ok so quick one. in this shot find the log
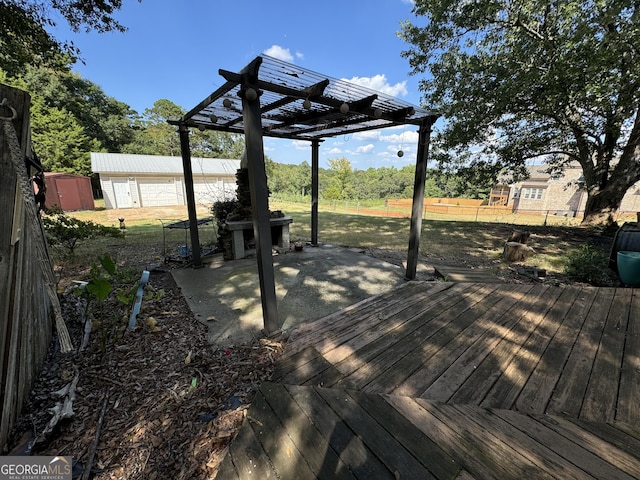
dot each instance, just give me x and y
(517, 252)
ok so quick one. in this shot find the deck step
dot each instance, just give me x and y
(464, 274)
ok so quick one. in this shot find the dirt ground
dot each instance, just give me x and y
(161, 403)
(172, 402)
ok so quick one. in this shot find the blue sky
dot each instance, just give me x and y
(174, 48)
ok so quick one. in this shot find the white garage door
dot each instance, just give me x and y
(207, 192)
(157, 192)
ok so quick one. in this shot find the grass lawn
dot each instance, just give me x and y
(452, 239)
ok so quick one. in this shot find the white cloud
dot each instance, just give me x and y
(408, 138)
(299, 55)
(281, 53)
(334, 151)
(365, 148)
(379, 82)
(300, 145)
(367, 135)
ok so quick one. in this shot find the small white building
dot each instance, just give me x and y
(131, 181)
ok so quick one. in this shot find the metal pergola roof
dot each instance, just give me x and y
(272, 98)
(299, 104)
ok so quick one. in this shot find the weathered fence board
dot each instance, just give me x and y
(25, 308)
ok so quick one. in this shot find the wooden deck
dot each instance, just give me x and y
(456, 381)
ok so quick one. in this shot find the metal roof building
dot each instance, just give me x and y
(130, 181)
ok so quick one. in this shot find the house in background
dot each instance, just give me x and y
(543, 193)
(68, 191)
(131, 181)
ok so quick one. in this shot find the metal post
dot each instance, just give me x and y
(185, 149)
(315, 148)
(422, 156)
(259, 196)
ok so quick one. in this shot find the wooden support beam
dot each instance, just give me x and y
(259, 196)
(315, 156)
(185, 149)
(422, 157)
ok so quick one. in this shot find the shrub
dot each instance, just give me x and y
(589, 264)
(63, 231)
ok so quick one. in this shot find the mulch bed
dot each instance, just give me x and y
(173, 402)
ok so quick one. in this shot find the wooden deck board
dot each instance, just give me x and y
(341, 344)
(382, 355)
(461, 371)
(629, 401)
(542, 382)
(574, 376)
(509, 381)
(419, 381)
(605, 373)
(424, 343)
(569, 442)
(505, 376)
(452, 273)
(353, 451)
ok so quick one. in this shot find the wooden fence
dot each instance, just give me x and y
(26, 313)
(452, 206)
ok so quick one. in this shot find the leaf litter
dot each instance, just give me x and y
(174, 403)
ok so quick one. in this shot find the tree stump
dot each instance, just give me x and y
(517, 252)
(519, 236)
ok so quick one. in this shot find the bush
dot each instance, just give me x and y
(589, 264)
(64, 231)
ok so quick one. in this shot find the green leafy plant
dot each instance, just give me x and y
(64, 231)
(588, 264)
(110, 292)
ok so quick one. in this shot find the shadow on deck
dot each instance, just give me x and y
(454, 381)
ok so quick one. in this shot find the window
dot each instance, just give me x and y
(532, 193)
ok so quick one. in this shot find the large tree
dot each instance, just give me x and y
(26, 41)
(71, 117)
(554, 79)
(154, 136)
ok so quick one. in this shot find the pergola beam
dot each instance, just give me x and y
(422, 157)
(259, 197)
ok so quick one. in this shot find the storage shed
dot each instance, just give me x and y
(68, 191)
(131, 181)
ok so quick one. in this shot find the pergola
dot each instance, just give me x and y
(273, 98)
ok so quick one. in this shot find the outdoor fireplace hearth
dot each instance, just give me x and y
(242, 234)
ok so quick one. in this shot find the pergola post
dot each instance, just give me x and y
(417, 206)
(185, 150)
(259, 195)
(315, 156)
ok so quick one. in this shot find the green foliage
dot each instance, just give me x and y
(289, 179)
(154, 136)
(109, 292)
(71, 117)
(527, 79)
(340, 181)
(25, 26)
(60, 140)
(588, 264)
(65, 232)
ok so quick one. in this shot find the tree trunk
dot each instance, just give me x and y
(602, 205)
